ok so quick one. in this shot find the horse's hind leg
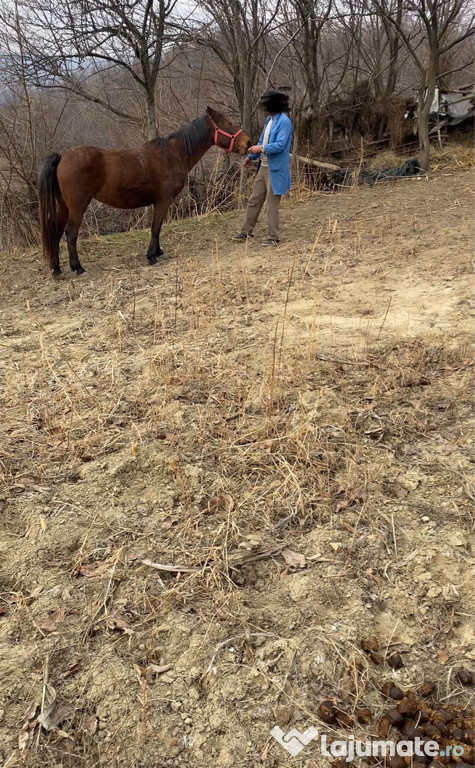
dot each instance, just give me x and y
(159, 212)
(62, 218)
(72, 230)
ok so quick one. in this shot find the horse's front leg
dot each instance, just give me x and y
(159, 212)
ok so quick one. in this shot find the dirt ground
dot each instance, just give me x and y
(287, 433)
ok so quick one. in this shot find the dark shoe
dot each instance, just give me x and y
(270, 241)
(241, 237)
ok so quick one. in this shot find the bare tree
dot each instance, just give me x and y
(428, 29)
(235, 31)
(67, 42)
(311, 17)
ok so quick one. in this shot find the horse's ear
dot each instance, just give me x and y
(212, 113)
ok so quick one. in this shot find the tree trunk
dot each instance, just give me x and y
(152, 132)
(423, 130)
(391, 82)
(247, 120)
(426, 97)
(314, 120)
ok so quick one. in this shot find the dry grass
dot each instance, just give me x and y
(167, 435)
(453, 157)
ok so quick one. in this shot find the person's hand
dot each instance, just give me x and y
(255, 150)
(247, 162)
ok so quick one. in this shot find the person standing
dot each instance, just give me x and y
(273, 175)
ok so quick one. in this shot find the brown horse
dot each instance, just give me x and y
(152, 174)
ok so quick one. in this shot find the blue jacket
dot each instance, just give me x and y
(278, 152)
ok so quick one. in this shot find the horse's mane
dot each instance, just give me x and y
(193, 136)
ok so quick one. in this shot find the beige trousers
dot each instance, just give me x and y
(262, 193)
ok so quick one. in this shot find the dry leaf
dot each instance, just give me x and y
(43, 524)
(442, 656)
(49, 705)
(342, 505)
(26, 733)
(135, 449)
(357, 497)
(95, 569)
(35, 592)
(213, 505)
(227, 501)
(54, 712)
(115, 622)
(159, 669)
(71, 669)
(251, 542)
(119, 421)
(24, 738)
(63, 734)
(173, 465)
(50, 624)
(89, 724)
(30, 713)
(25, 480)
(294, 559)
(89, 570)
(223, 502)
(335, 545)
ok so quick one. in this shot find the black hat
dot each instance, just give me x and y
(275, 101)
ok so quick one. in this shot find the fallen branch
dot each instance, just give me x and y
(171, 568)
(316, 163)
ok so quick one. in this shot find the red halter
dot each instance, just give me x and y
(218, 131)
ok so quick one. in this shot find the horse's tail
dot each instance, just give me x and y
(48, 192)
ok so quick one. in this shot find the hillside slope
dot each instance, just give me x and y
(286, 432)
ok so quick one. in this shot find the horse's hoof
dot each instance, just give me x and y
(56, 272)
(80, 270)
(152, 260)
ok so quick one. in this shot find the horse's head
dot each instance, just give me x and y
(225, 134)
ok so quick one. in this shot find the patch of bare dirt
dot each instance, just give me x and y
(221, 473)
